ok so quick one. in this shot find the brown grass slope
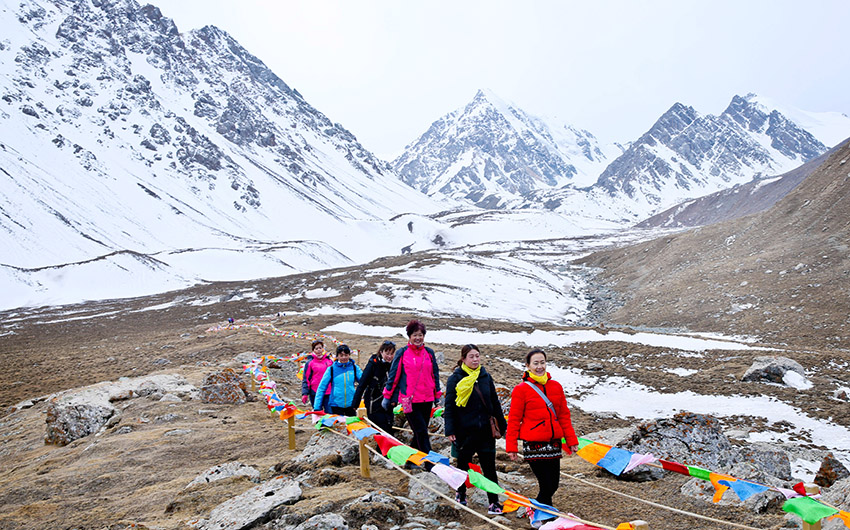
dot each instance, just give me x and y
(783, 274)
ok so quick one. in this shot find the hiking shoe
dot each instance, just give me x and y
(460, 498)
(494, 509)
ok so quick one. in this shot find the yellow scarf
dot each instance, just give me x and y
(464, 386)
(542, 379)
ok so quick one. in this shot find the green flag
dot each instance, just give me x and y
(400, 453)
(808, 509)
(483, 483)
(698, 472)
(583, 441)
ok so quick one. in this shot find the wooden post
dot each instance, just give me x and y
(812, 489)
(291, 422)
(639, 525)
(364, 451)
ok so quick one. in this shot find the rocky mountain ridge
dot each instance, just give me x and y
(198, 127)
(497, 156)
(134, 148)
(491, 152)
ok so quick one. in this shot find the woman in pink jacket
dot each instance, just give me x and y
(313, 372)
(414, 382)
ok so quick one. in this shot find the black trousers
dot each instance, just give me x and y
(382, 418)
(418, 419)
(481, 443)
(344, 411)
(548, 473)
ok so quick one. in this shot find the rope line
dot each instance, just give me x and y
(657, 505)
(421, 483)
(556, 514)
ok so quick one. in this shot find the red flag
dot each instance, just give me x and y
(385, 443)
(675, 467)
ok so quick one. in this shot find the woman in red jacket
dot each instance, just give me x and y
(539, 416)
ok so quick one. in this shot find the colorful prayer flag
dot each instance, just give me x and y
(400, 453)
(615, 460)
(810, 510)
(452, 476)
(743, 489)
(483, 483)
(385, 443)
(674, 467)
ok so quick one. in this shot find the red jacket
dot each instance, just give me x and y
(531, 420)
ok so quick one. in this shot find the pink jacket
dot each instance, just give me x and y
(313, 372)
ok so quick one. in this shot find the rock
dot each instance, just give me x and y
(225, 386)
(224, 471)
(838, 496)
(324, 521)
(171, 398)
(66, 423)
(418, 492)
(693, 439)
(323, 445)
(251, 507)
(770, 460)
(246, 357)
(772, 369)
(178, 432)
(759, 503)
(375, 509)
(831, 471)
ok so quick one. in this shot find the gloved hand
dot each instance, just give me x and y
(305, 398)
(385, 403)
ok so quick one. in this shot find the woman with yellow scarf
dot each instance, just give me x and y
(471, 401)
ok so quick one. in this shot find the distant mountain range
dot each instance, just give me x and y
(491, 153)
(137, 159)
(494, 155)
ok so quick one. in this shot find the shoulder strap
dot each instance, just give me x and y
(481, 395)
(543, 396)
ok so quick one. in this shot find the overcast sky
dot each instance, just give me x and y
(386, 69)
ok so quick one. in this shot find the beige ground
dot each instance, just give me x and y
(114, 480)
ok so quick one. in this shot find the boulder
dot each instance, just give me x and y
(375, 508)
(69, 422)
(688, 438)
(838, 496)
(324, 521)
(254, 506)
(325, 447)
(224, 471)
(831, 471)
(770, 460)
(775, 369)
(759, 503)
(225, 386)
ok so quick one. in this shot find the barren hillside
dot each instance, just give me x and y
(783, 274)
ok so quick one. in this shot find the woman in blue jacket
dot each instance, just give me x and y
(341, 376)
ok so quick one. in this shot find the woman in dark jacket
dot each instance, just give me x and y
(470, 402)
(371, 387)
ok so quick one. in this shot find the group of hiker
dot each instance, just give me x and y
(409, 376)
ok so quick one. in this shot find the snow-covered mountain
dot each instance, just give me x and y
(133, 152)
(685, 155)
(495, 155)
(490, 153)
